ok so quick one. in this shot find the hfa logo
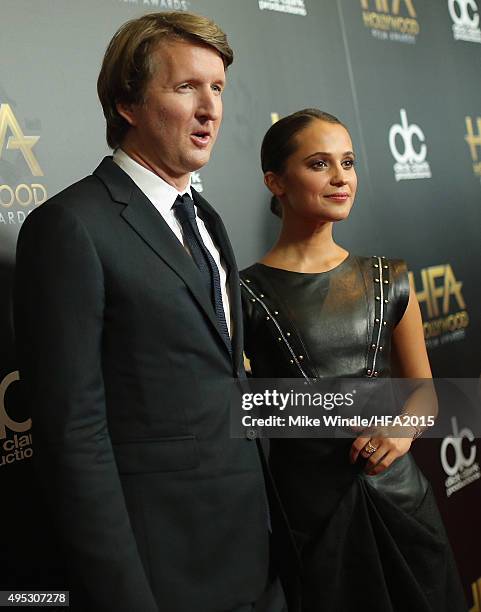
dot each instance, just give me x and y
(18, 447)
(440, 296)
(474, 141)
(17, 139)
(465, 17)
(387, 20)
(24, 195)
(408, 147)
(461, 468)
(383, 6)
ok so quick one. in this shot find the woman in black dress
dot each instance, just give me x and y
(364, 518)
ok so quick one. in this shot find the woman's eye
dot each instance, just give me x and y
(349, 163)
(319, 164)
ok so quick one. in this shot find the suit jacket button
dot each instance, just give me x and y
(251, 434)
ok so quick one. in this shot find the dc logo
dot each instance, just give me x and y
(5, 420)
(464, 13)
(407, 133)
(455, 442)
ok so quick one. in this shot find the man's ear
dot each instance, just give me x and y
(128, 112)
(274, 183)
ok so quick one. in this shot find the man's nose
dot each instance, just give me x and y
(209, 105)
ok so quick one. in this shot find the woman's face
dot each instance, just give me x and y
(319, 180)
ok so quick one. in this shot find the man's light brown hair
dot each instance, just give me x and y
(127, 66)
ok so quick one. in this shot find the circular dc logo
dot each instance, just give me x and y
(464, 13)
(406, 133)
(456, 442)
(5, 420)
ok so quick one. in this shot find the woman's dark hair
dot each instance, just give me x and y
(279, 142)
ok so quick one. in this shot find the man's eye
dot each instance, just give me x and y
(185, 86)
(217, 88)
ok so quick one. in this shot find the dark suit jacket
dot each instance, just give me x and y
(128, 382)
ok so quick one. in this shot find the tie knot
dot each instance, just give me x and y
(184, 206)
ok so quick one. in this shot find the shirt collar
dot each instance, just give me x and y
(158, 191)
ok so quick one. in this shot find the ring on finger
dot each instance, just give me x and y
(370, 448)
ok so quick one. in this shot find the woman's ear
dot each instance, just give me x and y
(274, 183)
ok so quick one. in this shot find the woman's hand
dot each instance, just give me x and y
(411, 360)
(380, 451)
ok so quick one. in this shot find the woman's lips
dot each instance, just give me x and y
(337, 197)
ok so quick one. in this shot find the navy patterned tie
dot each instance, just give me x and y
(185, 214)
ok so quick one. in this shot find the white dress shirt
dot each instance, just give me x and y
(163, 196)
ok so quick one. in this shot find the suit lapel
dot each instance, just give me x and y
(149, 224)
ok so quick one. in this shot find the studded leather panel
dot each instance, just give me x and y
(335, 323)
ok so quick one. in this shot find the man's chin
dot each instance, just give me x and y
(196, 162)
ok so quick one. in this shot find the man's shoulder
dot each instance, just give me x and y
(76, 193)
(91, 188)
(84, 199)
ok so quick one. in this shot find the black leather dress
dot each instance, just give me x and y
(366, 542)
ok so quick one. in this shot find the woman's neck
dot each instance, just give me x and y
(302, 247)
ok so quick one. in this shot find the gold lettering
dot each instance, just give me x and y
(39, 199)
(23, 194)
(452, 287)
(431, 292)
(25, 201)
(425, 294)
(476, 590)
(436, 327)
(18, 140)
(409, 6)
(477, 168)
(10, 192)
(473, 140)
(382, 6)
(436, 291)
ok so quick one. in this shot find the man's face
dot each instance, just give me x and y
(173, 131)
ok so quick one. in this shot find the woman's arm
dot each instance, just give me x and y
(409, 354)
(410, 360)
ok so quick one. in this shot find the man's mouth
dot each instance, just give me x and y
(201, 138)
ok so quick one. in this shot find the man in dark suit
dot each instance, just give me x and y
(129, 332)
